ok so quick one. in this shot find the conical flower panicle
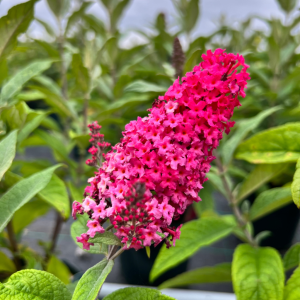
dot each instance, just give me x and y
(168, 153)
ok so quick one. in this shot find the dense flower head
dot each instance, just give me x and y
(166, 155)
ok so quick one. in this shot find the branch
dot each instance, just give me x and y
(242, 223)
(14, 245)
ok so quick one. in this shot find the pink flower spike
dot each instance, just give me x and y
(94, 227)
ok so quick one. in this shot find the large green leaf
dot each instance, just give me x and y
(21, 193)
(137, 293)
(91, 282)
(28, 213)
(292, 257)
(14, 85)
(116, 13)
(6, 264)
(59, 269)
(207, 203)
(287, 6)
(257, 273)
(270, 200)
(15, 22)
(59, 7)
(292, 288)
(259, 176)
(296, 185)
(193, 60)
(55, 193)
(76, 16)
(30, 126)
(107, 238)
(80, 73)
(34, 285)
(194, 235)
(79, 227)
(191, 16)
(7, 152)
(243, 128)
(217, 273)
(275, 145)
(140, 86)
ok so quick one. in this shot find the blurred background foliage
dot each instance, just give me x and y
(52, 88)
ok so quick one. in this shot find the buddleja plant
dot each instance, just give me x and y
(155, 172)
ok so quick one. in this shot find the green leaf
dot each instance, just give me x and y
(292, 257)
(21, 193)
(292, 288)
(55, 193)
(270, 200)
(47, 27)
(30, 126)
(217, 273)
(6, 264)
(137, 293)
(295, 185)
(92, 280)
(34, 285)
(148, 251)
(75, 17)
(59, 269)
(275, 145)
(194, 235)
(107, 238)
(192, 15)
(59, 7)
(79, 227)
(140, 86)
(116, 14)
(14, 85)
(193, 60)
(243, 128)
(7, 152)
(207, 203)
(15, 22)
(81, 74)
(257, 273)
(28, 213)
(76, 193)
(259, 176)
(287, 5)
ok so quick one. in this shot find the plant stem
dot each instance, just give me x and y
(14, 245)
(242, 223)
(117, 254)
(55, 234)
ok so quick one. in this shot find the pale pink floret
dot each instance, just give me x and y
(84, 238)
(94, 227)
(88, 204)
(99, 211)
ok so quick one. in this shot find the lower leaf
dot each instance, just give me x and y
(137, 294)
(34, 285)
(257, 273)
(92, 280)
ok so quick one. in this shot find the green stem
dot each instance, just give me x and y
(14, 245)
(242, 223)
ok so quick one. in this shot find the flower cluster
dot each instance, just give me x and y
(98, 144)
(169, 152)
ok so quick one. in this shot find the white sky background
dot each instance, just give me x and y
(141, 14)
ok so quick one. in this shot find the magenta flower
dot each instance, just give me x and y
(169, 152)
